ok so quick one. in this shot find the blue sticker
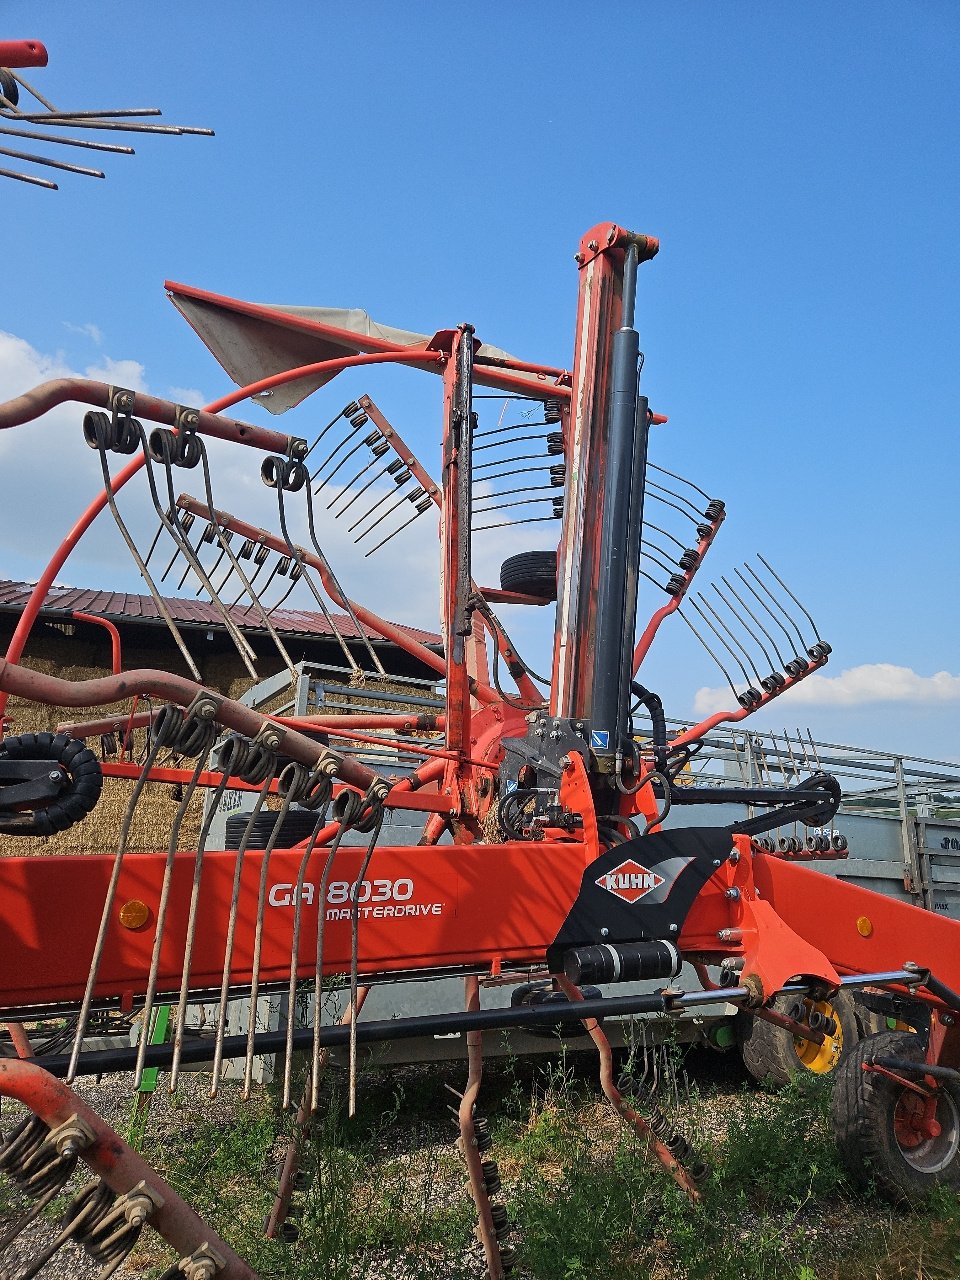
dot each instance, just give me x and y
(510, 785)
(600, 739)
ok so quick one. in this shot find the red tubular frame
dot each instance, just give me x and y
(22, 53)
(108, 626)
(119, 1166)
(37, 687)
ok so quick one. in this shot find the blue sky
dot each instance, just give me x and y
(433, 165)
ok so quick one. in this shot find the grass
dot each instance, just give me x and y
(387, 1193)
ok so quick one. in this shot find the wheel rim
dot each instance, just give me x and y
(820, 1058)
(927, 1152)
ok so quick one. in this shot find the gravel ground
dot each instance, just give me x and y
(418, 1148)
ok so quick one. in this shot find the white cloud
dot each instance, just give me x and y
(870, 683)
(90, 331)
(119, 373)
(189, 396)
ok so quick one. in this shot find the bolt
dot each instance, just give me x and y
(733, 894)
(947, 1019)
(604, 933)
(578, 259)
(716, 862)
(54, 775)
(674, 928)
(565, 762)
(734, 856)
(593, 246)
(554, 734)
(611, 235)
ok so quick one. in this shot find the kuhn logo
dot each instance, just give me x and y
(630, 881)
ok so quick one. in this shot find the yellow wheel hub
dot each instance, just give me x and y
(820, 1058)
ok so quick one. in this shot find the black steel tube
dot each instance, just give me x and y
(201, 1049)
(620, 534)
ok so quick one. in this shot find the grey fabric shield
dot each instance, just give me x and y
(253, 347)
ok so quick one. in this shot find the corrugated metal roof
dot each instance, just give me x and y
(119, 607)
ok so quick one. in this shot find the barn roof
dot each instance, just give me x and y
(120, 606)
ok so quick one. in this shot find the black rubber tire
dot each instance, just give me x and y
(773, 1056)
(531, 573)
(864, 1107)
(79, 796)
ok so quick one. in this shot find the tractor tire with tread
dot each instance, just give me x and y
(871, 1122)
(531, 573)
(772, 1055)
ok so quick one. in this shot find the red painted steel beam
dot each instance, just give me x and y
(22, 53)
(119, 1166)
(37, 687)
(110, 628)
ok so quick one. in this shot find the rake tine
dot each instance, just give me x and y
(709, 650)
(295, 576)
(730, 632)
(138, 560)
(760, 600)
(369, 440)
(805, 613)
(308, 579)
(148, 999)
(683, 480)
(344, 598)
(413, 495)
(377, 451)
(192, 920)
(294, 771)
(657, 529)
(268, 763)
(172, 524)
(85, 143)
(704, 601)
(749, 614)
(347, 411)
(786, 613)
(697, 513)
(424, 505)
(295, 956)
(354, 955)
(107, 914)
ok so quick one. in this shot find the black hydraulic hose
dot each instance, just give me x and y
(658, 721)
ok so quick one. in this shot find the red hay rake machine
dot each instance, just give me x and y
(557, 872)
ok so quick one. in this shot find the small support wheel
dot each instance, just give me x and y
(907, 1144)
(772, 1055)
(532, 573)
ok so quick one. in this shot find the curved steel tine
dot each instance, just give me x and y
(161, 917)
(720, 622)
(399, 474)
(805, 613)
(730, 632)
(657, 529)
(746, 608)
(107, 913)
(258, 933)
(237, 568)
(332, 423)
(667, 503)
(171, 522)
(295, 957)
(511, 524)
(307, 578)
(158, 599)
(683, 480)
(318, 971)
(270, 773)
(345, 599)
(801, 652)
(668, 569)
(760, 600)
(354, 958)
(192, 925)
(723, 669)
(370, 439)
(424, 505)
(661, 488)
